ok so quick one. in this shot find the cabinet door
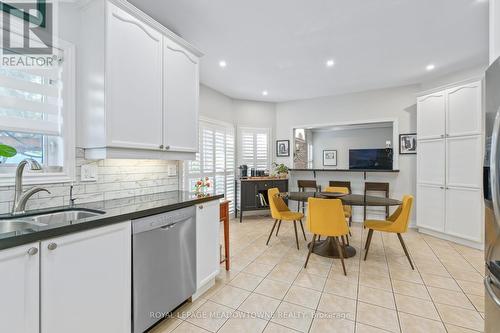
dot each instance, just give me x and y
(464, 157)
(207, 242)
(248, 195)
(181, 95)
(464, 116)
(431, 161)
(19, 278)
(431, 207)
(133, 82)
(431, 116)
(86, 281)
(464, 208)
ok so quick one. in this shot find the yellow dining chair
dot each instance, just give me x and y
(326, 217)
(343, 190)
(396, 223)
(281, 212)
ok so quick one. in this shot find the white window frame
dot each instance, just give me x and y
(186, 176)
(68, 129)
(239, 149)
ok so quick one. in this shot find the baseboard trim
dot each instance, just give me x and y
(458, 240)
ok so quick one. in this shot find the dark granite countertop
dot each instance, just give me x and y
(117, 210)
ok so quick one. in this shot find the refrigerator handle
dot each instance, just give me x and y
(494, 167)
(488, 281)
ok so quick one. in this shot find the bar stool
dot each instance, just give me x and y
(304, 185)
(338, 183)
(377, 187)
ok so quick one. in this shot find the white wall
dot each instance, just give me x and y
(215, 105)
(343, 140)
(394, 103)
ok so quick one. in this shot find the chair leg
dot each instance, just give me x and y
(296, 236)
(344, 242)
(368, 242)
(319, 238)
(310, 250)
(341, 254)
(278, 229)
(406, 251)
(272, 230)
(303, 232)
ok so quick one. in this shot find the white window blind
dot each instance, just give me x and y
(214, 160)
(254, 147)
(30, 100)
(37, 117)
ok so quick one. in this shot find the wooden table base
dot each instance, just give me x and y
(327, 248)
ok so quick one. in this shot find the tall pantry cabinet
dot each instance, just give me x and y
(449, 163)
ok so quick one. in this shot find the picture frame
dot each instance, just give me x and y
(329, 157)
(282, 148)
(408, 144)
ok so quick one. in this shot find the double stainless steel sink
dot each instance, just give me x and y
(29, 221)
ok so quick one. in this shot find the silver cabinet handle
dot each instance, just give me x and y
(167, 147)
(52, 246)
(441, 187)
(200, 207)
(161, 146)
(442, 135)
(32, 251)
(487, 284)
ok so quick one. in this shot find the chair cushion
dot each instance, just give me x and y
(379, 225)
(291, 216)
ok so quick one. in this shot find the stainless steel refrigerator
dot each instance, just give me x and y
(491, 185)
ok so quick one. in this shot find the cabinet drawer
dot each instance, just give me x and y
(282, 185)
(264, 185)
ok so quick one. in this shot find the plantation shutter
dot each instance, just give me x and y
(254, 148)
(214, 160)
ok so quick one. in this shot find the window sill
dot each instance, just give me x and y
(36, 179)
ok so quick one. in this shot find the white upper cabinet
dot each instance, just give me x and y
(464, 112)
(138, 86)
(85, 281)
(133, 82)
(431, 117)
(181, 95)
(19, 278)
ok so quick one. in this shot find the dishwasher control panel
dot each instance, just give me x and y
(162, 220)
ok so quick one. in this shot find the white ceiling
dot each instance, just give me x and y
(282, 45)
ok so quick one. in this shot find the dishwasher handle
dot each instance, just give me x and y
(170, 226)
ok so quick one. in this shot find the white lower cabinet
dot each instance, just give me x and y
(207, 244)
(86, 281)
(463, 217)
(19, 276)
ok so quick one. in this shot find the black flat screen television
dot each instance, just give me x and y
(376, 159)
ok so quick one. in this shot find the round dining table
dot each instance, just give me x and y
(327, 247)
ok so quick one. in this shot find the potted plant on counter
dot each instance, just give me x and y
(6, 152)
(281, 170)
(201, 187)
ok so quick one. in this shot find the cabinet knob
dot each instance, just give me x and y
(200, 207)
(32, 251)
(442, 135)
(52, 246)
(167, 147)
(161, 146)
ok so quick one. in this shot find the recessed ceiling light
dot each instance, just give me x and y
(330, 63)
(264, 93)
(430, 67)
(222, 63)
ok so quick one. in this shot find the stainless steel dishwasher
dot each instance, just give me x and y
(164, 264)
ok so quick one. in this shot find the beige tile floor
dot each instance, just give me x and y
(268, 290)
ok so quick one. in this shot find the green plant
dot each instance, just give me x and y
(280, 168)
(7, 151)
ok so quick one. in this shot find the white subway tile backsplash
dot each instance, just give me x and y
(116, 179)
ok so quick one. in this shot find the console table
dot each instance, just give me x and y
(251, 193)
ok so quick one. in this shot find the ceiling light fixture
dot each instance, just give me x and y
(330, 63)
(430, 67)
(222, 64)
(264, 93)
